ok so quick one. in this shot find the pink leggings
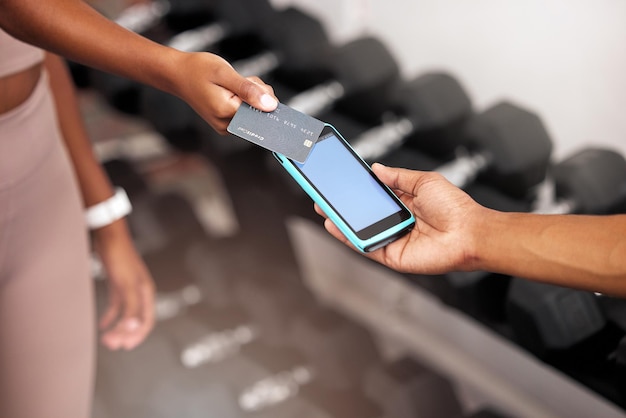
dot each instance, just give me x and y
(47, 342)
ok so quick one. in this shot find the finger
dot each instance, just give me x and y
(134, 338)
(112, 311)
(129, 332)
(247, 90)
(402, 179)
(319, 210)
(128, 322)
(335, 232)
(268, 88)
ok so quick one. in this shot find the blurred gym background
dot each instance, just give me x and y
(262, 314)
(564, 59)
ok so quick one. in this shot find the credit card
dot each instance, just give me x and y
(285, 130)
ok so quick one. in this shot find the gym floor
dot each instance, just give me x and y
(232, 308)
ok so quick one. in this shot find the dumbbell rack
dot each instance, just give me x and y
(488, 368)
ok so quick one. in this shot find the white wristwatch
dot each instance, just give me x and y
(108, 211)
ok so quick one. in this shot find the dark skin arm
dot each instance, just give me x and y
(454, 233)
(73, 29)
(129, 316)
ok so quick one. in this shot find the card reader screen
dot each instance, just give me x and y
(346, 184)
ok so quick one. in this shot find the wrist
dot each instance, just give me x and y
(168, 78)
(482, 238)
(115, 236)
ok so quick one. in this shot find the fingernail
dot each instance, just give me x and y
(268, 101)
(132, 324)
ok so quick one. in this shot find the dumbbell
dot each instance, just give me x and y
(231, 19)
(425, 108)
(188, 25)
(547, 317)
(267, 301)
(138, 18)
(364, 73)
(177, 15)
(151, 223)
(301, 46)
(297, 43)
(151, 380)
(506, 146)
(428, 104)
(156, 20)
(294, 381)
(339, 348)
(404, 388)
(211, 336)
(274, 303)
(479, 294)
(234, 30)
(269, 381)
(326, 373)
(588, 182)
(334, 369)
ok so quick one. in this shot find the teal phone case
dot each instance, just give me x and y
(367, 245)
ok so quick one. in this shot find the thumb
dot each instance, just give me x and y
(401, 179)
(250, 92)
(385, 174)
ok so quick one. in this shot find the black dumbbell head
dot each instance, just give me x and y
(364, 63)
(188, 14)
(433, 100)
(171, 117)
(298, 38)
(594, 179)
(546, 317)
(368, 73)
(518, 144)
(409, 158)
(438, 106)
(242, 16)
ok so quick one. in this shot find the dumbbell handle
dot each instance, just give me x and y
(465, 167)
(170, 305)
(317, 99)
(545, 202)
(378, 141)
(199, 39)
(259, 65)
(141, 17)
(217, 346)
(275, 389)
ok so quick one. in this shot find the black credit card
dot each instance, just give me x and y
(284, 130)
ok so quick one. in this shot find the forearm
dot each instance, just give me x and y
(75, 30)
(585, 252)
(92, 179)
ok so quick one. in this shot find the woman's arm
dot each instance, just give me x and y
(73, 29)
(130, 313)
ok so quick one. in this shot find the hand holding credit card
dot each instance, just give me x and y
(284, 130)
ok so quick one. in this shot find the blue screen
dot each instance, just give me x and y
(346, 184)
